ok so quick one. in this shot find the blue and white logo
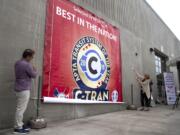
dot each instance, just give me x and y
(90, 64)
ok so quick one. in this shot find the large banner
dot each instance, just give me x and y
(82, 60)
(170, 88)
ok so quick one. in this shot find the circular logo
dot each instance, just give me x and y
(114, 96)
(90, 64)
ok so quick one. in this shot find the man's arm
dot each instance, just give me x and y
(31, 71)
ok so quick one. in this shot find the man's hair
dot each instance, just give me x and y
(28, 52)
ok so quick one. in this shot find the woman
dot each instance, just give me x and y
(144, 82)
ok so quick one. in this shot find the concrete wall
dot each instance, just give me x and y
(141, 28)
(22, 26)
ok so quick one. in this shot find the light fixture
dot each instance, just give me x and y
(151, 50)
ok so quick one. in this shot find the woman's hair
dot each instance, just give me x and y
(146, 76)
(28, 52)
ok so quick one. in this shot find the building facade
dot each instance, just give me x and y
(147, 44)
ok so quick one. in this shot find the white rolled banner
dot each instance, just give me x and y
(75, 101)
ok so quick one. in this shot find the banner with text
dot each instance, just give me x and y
(170, 88)
(82, 60)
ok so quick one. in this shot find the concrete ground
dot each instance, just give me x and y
(161, 120)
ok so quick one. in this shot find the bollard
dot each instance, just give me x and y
(132, 106)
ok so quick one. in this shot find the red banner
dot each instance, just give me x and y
(82, 57)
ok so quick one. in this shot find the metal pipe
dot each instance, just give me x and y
(132, 102)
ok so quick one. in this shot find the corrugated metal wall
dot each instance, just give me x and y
(134, 15)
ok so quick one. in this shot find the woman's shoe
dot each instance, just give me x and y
(141, 109)
(146, 109)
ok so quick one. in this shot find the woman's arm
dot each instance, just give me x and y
(146, 82)
(139, 81)
(138, 75)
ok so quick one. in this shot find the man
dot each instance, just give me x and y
(24, 72)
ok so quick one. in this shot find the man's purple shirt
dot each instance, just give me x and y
(24, 73)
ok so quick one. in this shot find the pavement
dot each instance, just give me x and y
(160, 120)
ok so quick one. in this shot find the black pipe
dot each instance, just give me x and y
(38, 96)
(132, 102)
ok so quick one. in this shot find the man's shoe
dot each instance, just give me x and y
(26, 128)
(20, 131)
